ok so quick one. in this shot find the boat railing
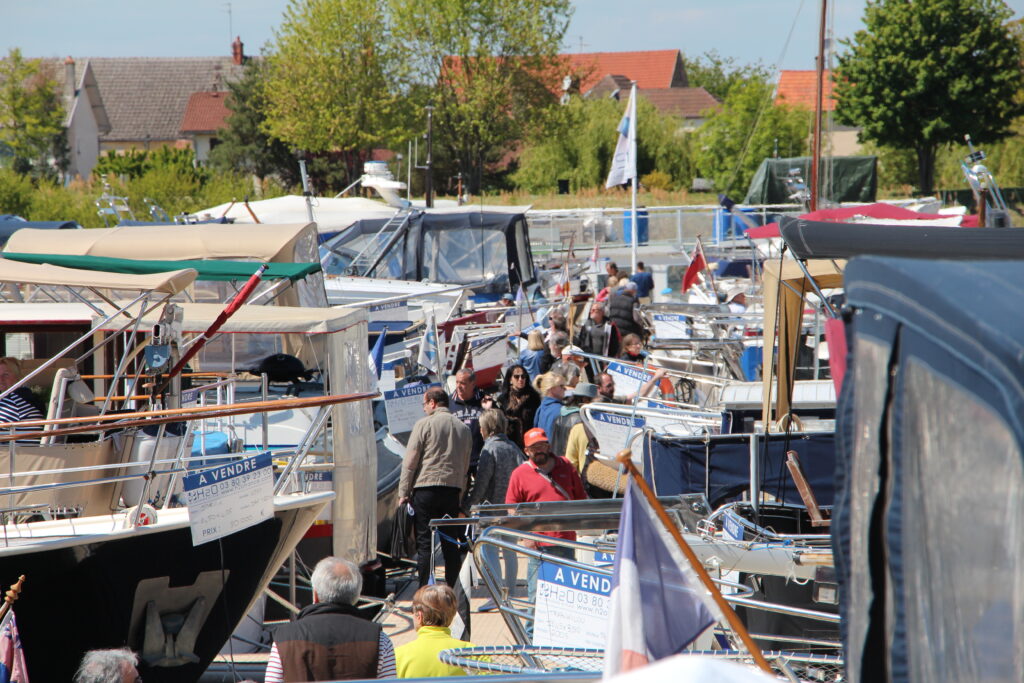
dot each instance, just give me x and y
(518, 612)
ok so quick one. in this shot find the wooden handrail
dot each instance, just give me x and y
(78, 425)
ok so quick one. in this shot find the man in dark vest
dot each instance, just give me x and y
(330, 640)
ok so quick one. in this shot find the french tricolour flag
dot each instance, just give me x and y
(658, 606)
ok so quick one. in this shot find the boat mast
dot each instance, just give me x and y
(818, 87)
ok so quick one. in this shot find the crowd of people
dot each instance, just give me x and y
(526, 442)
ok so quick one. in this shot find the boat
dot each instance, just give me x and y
(92, 513)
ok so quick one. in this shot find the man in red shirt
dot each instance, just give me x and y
(544, 477)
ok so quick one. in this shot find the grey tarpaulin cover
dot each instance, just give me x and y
(853, 179)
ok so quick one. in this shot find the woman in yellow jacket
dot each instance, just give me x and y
(433, 609)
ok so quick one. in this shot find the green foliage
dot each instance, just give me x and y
(134, 164)
(897, 167)
(718, 75)
(922, 74)
(657, 180)
(489, 67)
(15, 193)
(577, 142)
(52, 202)
(748, 128)
(31, 116)
(338, 79)
(244, 144)
(131, 163)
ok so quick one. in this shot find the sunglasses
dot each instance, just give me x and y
(519, 376)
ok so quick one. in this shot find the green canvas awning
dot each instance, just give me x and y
(208, 270)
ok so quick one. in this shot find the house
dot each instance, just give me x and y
(798, 89)
(205, 114)
(142, 102)
(660, 77)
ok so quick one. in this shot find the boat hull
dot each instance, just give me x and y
(93, 591)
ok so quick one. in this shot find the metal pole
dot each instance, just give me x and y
(428, 181)
(818, 87)
(306, 192)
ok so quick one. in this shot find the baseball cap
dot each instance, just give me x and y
(534, 436)
(572, 351)
(585, 389)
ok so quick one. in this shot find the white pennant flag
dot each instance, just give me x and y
(624, 162)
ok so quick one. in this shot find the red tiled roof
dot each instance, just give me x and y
(205, 112)
(798, 89)
(650, 69)
(690, 103)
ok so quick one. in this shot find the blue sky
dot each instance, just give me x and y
(747, 30)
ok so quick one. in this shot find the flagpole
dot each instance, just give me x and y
(707, 268)
(632, 152)
(625, 458)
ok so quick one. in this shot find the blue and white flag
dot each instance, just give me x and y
(377, 357)
(428, 347)
(658, 605)
(624, 161)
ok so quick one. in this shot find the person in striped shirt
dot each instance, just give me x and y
(331, 640)
(15, 407)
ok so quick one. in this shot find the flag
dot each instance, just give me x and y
(697, 264)
(520, 294)
(377, 356)
(657, 606)
(624, 161)
(12, 657)
(597, 253)
(428, 346)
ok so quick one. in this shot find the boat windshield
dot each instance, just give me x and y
(466, 256)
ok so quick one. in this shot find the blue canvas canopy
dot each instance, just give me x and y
(928, 524)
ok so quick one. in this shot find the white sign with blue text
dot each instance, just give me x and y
(225, 499)
(404, 406)
(392, 310)
(628, 378)
(671, 326)
(572, 607)
(321, 481)
(613, 431)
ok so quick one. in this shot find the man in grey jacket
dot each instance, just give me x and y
(434, 476)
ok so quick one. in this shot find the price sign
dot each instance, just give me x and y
(671, 326)
(572, 607)
(614, 431)
(404, 406)
(628, 378)
(229, 498)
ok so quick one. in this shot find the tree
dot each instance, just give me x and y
(749, 127)
(244, 144)
(925, 73)
(492, 67)
(578, 141)
(31, 116)
(337, 81)
(718, 74)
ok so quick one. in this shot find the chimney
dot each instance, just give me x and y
(69, 79)
(237, 55)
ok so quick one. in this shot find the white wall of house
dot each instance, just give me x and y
(83, 139)
(201, 145)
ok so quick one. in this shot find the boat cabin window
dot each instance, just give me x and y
(466, 256)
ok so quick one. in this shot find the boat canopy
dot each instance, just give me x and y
(168, 282)
(489, 250)
(332, 214)
(785, 285)
(817, 240)
(293, 243)
(853, 179)
(196, 318)
(207, 270)
(928, 528)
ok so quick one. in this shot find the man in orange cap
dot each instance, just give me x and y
(544, 477)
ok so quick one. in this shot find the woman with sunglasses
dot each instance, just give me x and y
(519, 401)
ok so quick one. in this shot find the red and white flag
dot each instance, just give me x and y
(693, 271)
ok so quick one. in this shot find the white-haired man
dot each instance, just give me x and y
(108, 666)
(331, 640)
